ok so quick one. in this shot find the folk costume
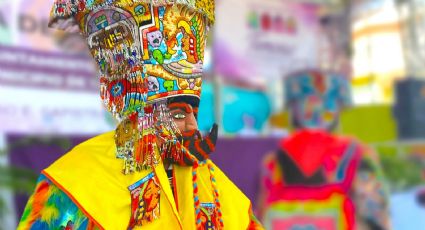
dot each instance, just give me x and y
(147, 174)
(316, 179)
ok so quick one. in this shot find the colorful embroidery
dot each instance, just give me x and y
(146, 53)
(209, 218)
(64, 9)
(50, 208)
(145, 201)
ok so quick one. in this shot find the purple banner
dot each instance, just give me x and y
(29, 68)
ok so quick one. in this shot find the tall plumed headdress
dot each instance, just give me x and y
(147, 51)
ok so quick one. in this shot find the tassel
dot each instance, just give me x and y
(215, 194)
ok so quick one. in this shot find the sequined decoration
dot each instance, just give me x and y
(68, 8)
(145, 201)
(138, 135)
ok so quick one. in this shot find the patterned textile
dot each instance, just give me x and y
(64, 9)
(145, 201)
(343, 188)
(310, 186)
(50, 208)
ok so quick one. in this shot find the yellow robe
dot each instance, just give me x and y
(90, 175)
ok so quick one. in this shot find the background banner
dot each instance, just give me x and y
(264, 39)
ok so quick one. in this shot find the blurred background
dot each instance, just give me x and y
(49, 99)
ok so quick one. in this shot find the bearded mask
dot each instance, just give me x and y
(147, 52)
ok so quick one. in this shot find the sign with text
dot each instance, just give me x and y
(264, 39)
(48, 81)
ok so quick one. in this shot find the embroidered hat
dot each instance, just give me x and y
(146, 50)
(316, 98)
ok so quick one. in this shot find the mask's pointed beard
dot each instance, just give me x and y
(198, 146)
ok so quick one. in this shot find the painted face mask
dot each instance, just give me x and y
(147, 52)
(315, 99)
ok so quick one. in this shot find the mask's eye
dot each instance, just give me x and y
(179, 116)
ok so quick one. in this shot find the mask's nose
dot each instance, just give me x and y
(191, 123)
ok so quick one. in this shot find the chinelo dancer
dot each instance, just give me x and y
(154, 170)
(317, 179)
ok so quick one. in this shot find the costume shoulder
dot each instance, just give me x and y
(97, 145)
(87, 171)
(93, 153)
(50, 208)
